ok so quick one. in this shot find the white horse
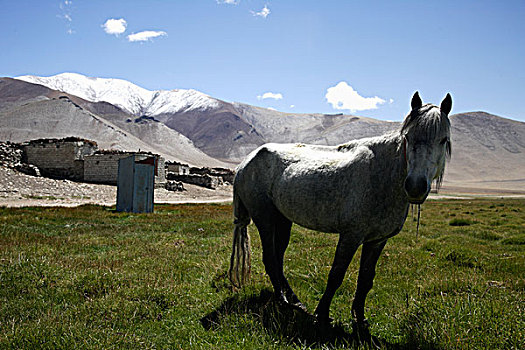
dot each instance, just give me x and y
(361, 190)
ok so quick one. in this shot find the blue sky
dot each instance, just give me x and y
(361, 57)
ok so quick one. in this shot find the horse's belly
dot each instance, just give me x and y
(337, 209)
(370, 224)
(314, 223)
(315, 207)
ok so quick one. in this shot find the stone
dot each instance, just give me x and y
(175, 186)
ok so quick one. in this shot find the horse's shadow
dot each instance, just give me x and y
(287, 322)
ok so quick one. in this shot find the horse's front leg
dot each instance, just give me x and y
(367, 270)
(344, 252)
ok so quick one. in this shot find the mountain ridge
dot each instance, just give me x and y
(124, 94)
(487, 149)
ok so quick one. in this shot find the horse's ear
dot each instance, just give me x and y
(446, 104)
(416, 102)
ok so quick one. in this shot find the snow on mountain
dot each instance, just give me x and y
(179, 100)
(126, 95)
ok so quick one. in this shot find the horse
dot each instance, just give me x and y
(360, 190)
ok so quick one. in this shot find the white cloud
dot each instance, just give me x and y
(65, 9)
(115, 26)
(263, 13)
(230, 2)
(146, 35)
(64, 4)
(343, 96)
(275, 96)
(292, 106)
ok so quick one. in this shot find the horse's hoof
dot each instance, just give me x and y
(298, 305)
(280, 298)
(361, 331)
(362, 324)
(323, 321)
(294, 302)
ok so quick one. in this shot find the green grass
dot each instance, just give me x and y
(88, 277)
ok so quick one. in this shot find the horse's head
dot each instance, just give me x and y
(426, 145)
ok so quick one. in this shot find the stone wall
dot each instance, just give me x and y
(160, 172)
(177, 168)
(225, 175)
(195, 179)
(205, 177)
(102, 167)
(59, 158)
(10, 154)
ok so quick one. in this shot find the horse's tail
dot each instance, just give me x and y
(240, 262)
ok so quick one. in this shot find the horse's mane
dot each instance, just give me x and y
(427, 121)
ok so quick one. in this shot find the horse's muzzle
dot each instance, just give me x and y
(417, 189)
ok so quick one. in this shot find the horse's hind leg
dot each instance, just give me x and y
(274, 230)
(267, 223)
(282, 238)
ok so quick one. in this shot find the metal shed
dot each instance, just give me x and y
(135, 184)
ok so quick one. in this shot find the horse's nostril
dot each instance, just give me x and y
(416, 186)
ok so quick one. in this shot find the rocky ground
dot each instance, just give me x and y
(18, 189)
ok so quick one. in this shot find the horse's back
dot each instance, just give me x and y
(271, 162)
(311, 185)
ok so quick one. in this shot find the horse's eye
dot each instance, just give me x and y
(445, 139)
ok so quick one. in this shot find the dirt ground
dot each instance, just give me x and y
(20, 190)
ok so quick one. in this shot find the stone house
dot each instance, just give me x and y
(77, 159)
(59, 158)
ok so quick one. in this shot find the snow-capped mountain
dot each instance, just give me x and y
(128, 96)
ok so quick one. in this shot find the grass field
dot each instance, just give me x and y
(89, 277)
